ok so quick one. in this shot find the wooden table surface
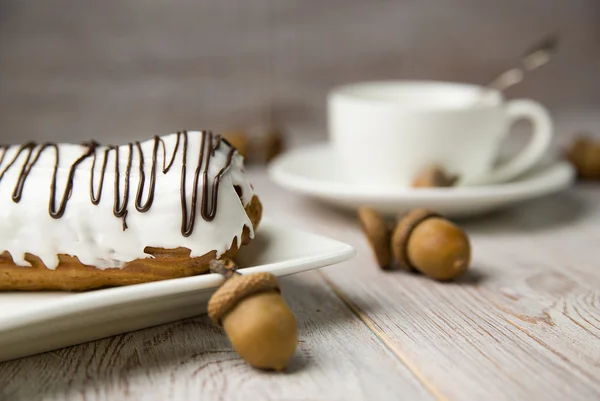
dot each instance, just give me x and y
(524, 324)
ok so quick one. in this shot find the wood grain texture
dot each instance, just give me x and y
(338, 358)
(524, 324)
(119, 70)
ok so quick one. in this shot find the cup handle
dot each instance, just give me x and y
(538, 145)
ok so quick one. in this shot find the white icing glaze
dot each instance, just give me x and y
(92, 232)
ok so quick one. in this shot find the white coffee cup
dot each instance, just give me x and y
(385, 133)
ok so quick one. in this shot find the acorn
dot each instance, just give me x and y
(273, 144)
(256, 318)
(427, 242)
(378, 234)
(584, 153)
(239, 140)
(434, 177)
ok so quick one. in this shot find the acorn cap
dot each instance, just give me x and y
(402, 233)
(273, 144)
(239, 140)
(378, 234)
(236, 289)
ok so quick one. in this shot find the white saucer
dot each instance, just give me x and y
(311, 171)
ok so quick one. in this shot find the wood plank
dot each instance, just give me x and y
(121, 70)
(338, 359)
(525, 324)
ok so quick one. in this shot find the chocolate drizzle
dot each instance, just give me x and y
(70, 180)
(209, 214)
(208, 207)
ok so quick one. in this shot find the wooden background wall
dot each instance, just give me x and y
(112, 69)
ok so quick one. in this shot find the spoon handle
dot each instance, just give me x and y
(537, 56)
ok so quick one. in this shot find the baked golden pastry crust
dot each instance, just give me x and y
(72, 275)
(78, 217)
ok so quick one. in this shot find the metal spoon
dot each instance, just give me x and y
(535, 57)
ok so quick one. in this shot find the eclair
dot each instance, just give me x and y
(79, 217)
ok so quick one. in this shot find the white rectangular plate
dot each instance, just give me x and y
(34, 322)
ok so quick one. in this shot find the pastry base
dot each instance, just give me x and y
(72, 275)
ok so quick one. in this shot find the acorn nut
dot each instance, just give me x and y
(432, 177)
(584, 153)
(273, 144)
(425, 241)
(239, 140)
(257, 320)
(378, 234)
